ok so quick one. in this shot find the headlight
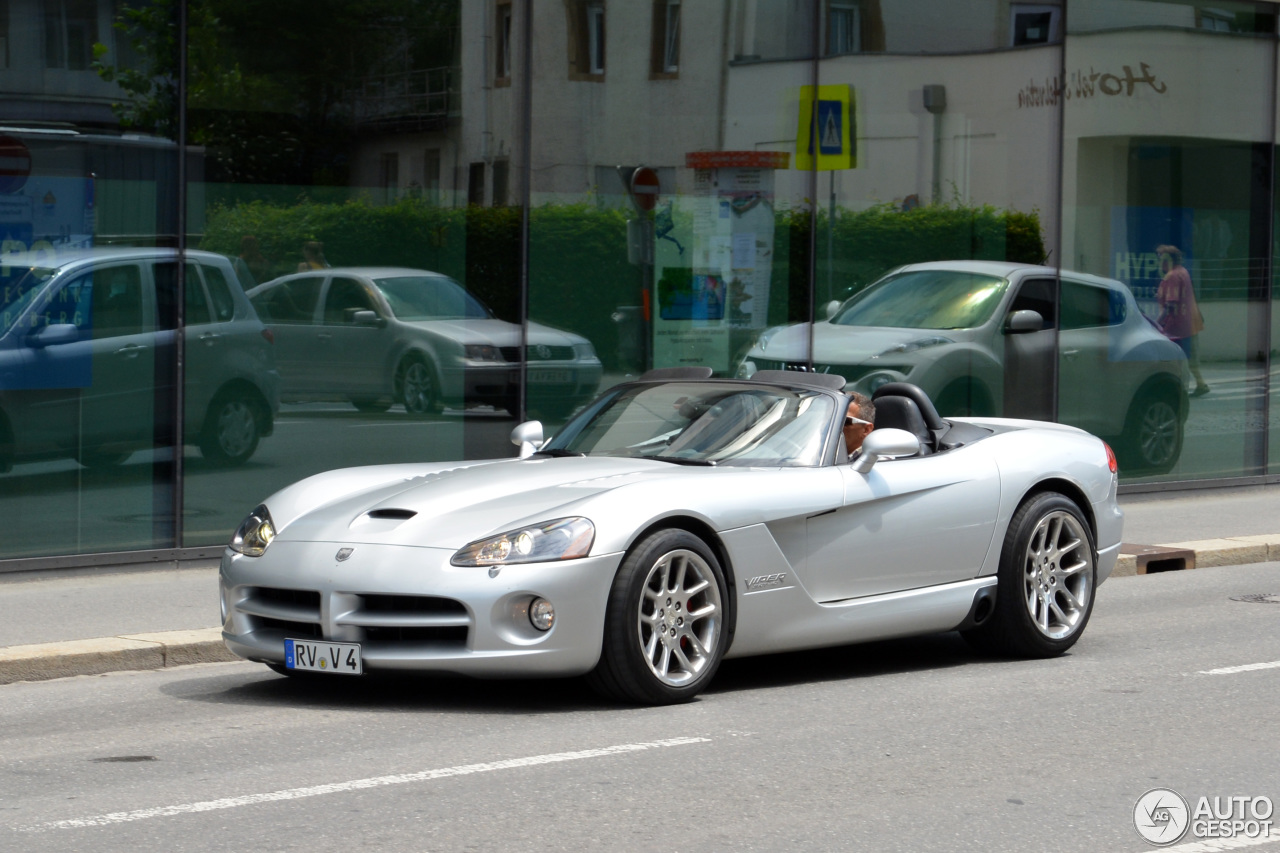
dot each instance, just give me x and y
(766, 336)
(922, 343)
(584, 351)
(254, 533)
(482, 352)
(562, 539)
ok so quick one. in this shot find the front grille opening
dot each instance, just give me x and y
(455, 635)
(298, 597)
(412, 604)
(298, 630)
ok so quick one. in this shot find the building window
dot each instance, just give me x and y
(431, 174)
(502, 43)
(844, 27)
(586, 39)
(70, 30)
(475, 184)
(389, 176)
(1034, 24)
(666, 37)
(501, 180)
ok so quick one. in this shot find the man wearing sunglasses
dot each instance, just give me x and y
(859, 420)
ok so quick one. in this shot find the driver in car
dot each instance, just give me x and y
(859, 420)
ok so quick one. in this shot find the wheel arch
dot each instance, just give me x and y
(700, 528)
(261, 407)
(1069, 490)
(1164, 383)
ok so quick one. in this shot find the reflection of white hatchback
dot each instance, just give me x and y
(380, 335)
(979, 338)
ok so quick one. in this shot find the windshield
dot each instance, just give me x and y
(704, 423)
(18, 287)
(430, 297)
(925, 299)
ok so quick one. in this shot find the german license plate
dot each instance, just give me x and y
(342, 658)
(548, 375)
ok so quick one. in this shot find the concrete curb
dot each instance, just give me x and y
(179, 648)
(111, 654)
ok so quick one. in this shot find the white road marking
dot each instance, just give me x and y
(359, 784)
(1214, 845)
(1248, 667)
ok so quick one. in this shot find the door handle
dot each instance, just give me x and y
(130, 350)
(210, 338)
(324, 336)
(1070, 354)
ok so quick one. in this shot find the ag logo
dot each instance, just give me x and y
(1161, 816)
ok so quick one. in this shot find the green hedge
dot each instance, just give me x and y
(578, 269)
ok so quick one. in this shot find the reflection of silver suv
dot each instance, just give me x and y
(86, 336)
(979, 338)
(381, 335)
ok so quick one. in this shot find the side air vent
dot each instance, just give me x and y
(396, 514)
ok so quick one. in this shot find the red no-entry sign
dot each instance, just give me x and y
(644, 188)
(15, 164)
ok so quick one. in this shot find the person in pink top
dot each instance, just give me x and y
(1180, 317)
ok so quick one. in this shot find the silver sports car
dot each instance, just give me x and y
(676, 521)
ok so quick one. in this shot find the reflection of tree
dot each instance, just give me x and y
(270, 85)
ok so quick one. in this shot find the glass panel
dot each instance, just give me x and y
(87, 357)
(1168, 192)
(926, 157)
(330, 162)
(677, 234)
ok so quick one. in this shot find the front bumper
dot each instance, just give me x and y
(411, 610)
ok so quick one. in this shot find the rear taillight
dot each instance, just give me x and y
(271, 339)
(1111, 458)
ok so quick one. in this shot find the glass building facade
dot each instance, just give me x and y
(245, 242)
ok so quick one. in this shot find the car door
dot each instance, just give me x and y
(907, 524)
(353, 354)
(118, 406)
(1029, 355)
(1095, 383)
(290, 309)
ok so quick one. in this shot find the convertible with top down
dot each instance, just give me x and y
(677, 520)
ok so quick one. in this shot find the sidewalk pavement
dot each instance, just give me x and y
(91, 621)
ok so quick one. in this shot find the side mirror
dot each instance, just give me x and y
(829, 309)
(528, 437)
(1023, 321)
(367, 318)
(885, 444)
(54, 334)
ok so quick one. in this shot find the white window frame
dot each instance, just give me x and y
(595, 38)
(851, 41)
(1055, 21)
(671, 38)
(504, 19)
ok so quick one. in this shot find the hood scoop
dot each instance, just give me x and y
(381, 520)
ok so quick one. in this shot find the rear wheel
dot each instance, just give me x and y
(964, 399)
(1046, 580)
(231, 429)
(1152, 439)
(665, 630)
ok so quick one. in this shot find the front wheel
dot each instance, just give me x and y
(231, 430)
(1152, 439)
(665, 629)
(1046, 581)
(419, 390)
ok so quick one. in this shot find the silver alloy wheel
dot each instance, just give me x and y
(1158, 433)
(419, 388)
(679, 619)
(1058, 575)
(237, 429)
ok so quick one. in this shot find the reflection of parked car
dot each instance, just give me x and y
(379, 335)
(678, 520)
(84, 337)
(979, 337)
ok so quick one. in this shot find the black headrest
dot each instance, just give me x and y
(901, 412)
(905, 389)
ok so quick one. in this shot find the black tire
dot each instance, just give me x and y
(964, 399)
(642, 663)
(98, 459)
(1043, 600)
(1152, 440)
(232, 429)
(371, 407)
(418, 386)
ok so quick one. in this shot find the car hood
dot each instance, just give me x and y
(843, 344)
(449, 507)
(495, 332)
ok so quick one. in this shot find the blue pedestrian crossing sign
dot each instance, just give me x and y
(827, 123)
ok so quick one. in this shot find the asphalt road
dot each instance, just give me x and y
(914, 745)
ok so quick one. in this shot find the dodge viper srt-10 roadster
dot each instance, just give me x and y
(675, 521)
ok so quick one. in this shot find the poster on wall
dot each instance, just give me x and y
(712, 288)
(1135, 234)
